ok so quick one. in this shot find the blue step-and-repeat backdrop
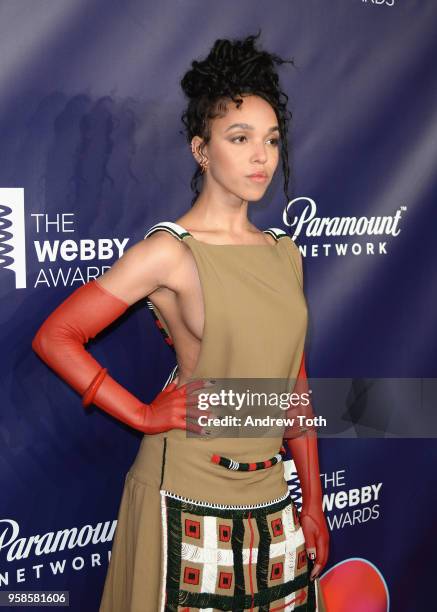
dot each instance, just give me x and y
(92, 156)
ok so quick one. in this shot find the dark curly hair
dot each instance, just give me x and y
(233, 68)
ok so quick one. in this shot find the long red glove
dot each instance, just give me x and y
(305, 454)
(60, 343)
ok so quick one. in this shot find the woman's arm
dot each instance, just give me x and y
(302, 443)
(60, 340)
(306, 458)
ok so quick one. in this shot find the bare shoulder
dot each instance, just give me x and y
(145, 266)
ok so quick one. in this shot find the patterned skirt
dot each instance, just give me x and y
(171, 553)
(237, 558)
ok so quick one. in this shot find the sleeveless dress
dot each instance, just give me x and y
(208, 523)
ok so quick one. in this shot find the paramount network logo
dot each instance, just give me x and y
(309, 223)
(12, 234)
(330, 229)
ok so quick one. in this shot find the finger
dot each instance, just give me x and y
(202, 405)
(194, 399)
(197, 429)
(320, 554)
(315, 571)
(193, 404)
(192, 385)
(322, 549)
(182, 423)
(311, 552)
(199, 385)
(192, 413)
(179, 398)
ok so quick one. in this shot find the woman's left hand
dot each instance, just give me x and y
(316, 535)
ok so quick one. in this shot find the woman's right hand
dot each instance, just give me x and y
(172, 407)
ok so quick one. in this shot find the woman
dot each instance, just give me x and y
(207, 522)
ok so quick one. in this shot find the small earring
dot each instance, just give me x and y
(203, 166)
(203, 163)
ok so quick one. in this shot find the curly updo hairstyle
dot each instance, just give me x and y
(233, 68)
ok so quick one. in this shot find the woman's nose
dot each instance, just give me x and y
(259, 153)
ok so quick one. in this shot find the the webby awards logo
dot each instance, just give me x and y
(61, 258)
(12, 234)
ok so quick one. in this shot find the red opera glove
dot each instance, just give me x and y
(305, 454)
(60, 343)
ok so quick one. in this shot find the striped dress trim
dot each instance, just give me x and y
(276, 233)
(174, 229)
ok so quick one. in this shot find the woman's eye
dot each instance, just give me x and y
(237, 138)
(274, 141)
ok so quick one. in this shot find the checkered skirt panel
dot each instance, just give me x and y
(234, 557)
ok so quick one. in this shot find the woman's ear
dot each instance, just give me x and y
(196, 145)
(197, 148)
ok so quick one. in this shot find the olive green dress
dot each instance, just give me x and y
(196, 533)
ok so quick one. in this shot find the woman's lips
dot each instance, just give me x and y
(258, 178)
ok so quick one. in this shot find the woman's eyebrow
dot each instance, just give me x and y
(246, 126)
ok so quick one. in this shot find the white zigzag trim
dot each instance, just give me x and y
(224, 506)
(164, 554)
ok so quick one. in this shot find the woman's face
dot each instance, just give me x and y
(244, 142)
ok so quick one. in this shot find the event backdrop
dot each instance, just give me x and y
(92, 156)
